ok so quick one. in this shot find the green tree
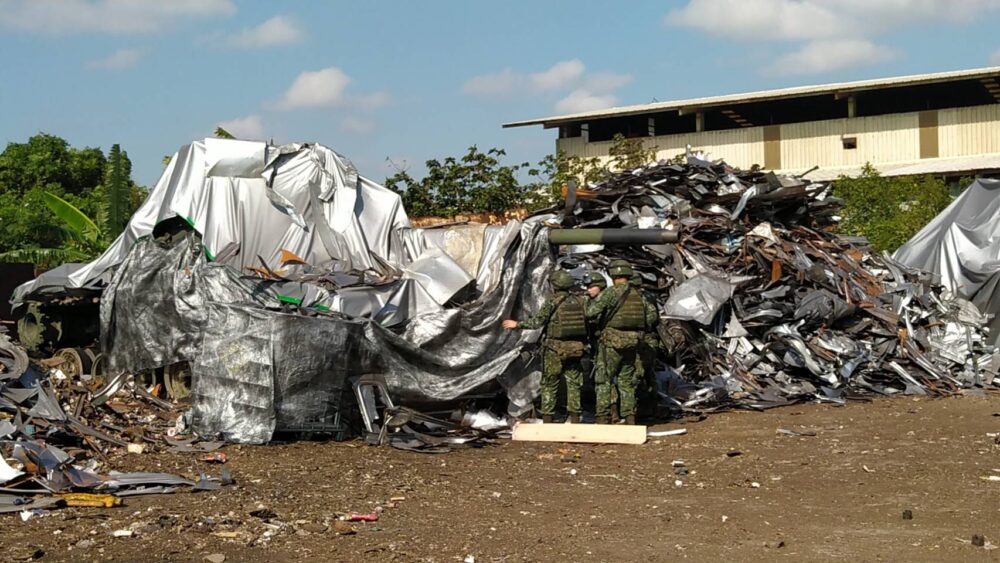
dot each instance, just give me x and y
(479, 182)
(473, 183)
(46, 161)
(42, 183)
(117, 184)
(223, 134)
(889, 210)
(629, 154)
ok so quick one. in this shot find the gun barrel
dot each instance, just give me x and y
(612, 237)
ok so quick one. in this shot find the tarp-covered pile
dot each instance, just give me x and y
(767, 307)
(295, 269)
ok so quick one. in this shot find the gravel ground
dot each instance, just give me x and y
(749, 494)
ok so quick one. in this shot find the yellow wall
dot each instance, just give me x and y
(969, 131)
(883, 139)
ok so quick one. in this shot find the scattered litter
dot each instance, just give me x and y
(355, 517)
(662, 433)
(789, 432)
(907, 514)
(264, 514)
(122, 533)
(217, 457)
(215, 558)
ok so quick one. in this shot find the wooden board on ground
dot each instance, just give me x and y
(583, 433)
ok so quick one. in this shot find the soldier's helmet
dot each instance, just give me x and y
(595, 279)
(620, 269)
(561, 280)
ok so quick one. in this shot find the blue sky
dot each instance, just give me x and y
(410, 80)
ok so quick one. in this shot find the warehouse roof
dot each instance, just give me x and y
(730, 99)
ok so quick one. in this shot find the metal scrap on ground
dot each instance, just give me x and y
(764, 304)
(59, 436)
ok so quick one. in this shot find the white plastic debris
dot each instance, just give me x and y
(662, 433)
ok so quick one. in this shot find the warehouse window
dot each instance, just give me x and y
(850, 143)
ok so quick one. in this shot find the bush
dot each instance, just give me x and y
(889, 210)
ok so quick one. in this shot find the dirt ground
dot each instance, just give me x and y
(751, 494)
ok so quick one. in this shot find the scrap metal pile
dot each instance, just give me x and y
(764, 305)
(60, 433)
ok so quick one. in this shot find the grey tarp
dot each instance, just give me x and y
(962, 246)
(257, 369)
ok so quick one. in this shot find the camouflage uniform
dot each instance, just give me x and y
(564, 346)
(618, 363)
(648, 349)
(593, 279)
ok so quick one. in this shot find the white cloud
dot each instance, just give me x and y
(758, 19)
(327, 88)
(817, 57)
(67, 17)
(503, 82)
(604, 82)
(762, 20)
(277, 31)
(584, 100)
(357, 126)
(249, 128)
(562, 76)
(828, 35)
(557, 76)
(122, 59)
(579, 90)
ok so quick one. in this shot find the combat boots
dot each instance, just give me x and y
(630, 419)
(614, 414)
(602, 420)
(547, 419)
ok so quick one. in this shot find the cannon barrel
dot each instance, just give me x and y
(612, 237)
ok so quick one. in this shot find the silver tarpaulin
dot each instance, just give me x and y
(961, 246)
(257, 369)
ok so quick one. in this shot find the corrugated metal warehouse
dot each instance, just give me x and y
(944, 123)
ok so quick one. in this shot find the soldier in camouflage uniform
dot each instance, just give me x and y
(593, 279)
(563, 316)
(649, 347)
(623, 314)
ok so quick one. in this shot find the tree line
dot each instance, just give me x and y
(59, 203)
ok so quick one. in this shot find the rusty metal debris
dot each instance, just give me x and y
(57, 433)
(764, 305)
